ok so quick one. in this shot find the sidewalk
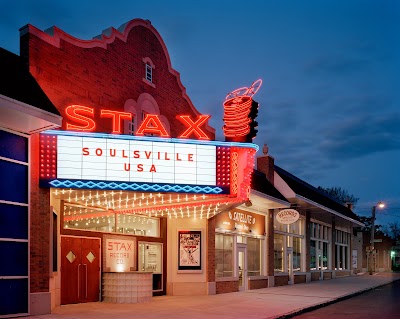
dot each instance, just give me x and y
(276, 302)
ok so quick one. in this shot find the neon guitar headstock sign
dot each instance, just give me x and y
(240, 111)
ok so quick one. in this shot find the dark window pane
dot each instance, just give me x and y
(13, 182)
(13, 296)
(13, 146)
(14, 260)
(13, 221)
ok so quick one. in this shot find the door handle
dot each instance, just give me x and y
(79, 284)
(86, 279)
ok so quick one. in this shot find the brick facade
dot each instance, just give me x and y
(258, 284)
(40, 216)
(328, 275)
(281, 280)
(211, 250)
(300, 279)
(270, 242)
(315, 275)
(106, 73)
(227, 286)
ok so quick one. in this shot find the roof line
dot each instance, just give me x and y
(329, 210)
(263, 195)
(53, 119)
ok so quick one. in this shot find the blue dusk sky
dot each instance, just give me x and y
(329, 103)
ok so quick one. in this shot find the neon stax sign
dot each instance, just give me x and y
(82, 118)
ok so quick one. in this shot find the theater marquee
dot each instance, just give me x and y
(87, 158)
(138, 163)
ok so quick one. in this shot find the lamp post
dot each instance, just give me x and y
(371, 264)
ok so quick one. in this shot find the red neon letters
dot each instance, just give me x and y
(116, 118)
(152, 124)
(194, 127)
(82, 116)
(79, 114)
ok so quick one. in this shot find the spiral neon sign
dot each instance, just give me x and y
(237, 108)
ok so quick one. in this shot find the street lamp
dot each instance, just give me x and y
(371, 264)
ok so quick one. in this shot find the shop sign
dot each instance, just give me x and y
(287, 216)
(120, 254)
(241, 221)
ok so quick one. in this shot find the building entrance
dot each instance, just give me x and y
(289, 264)
(80, 269)
(242, 266)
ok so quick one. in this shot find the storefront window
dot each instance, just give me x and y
(296, 254)
(342, 249)
(253, 256)
(313, 255)
(325, 255)
(112, 223)
(278, 253)
(319, 246)
(138, 225)
(288, 243)
(150, 259)
(223, 255)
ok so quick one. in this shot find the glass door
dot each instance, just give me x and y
(242, 266)
(150, 259)
(289, 263)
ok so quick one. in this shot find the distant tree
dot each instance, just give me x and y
(393, 230)
(367, 221)
(339, 194)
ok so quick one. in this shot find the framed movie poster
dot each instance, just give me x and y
(189, 250)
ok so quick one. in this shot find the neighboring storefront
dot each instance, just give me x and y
(312, 240)
(24, 111)
(381, 257)
(243, 240)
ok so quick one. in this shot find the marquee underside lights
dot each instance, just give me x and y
(88, 205)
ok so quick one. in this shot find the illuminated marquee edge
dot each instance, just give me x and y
(153, 139)
(134, 186)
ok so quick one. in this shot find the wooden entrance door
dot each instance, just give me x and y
(80, 269)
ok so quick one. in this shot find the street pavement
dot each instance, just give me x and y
(274, 302)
